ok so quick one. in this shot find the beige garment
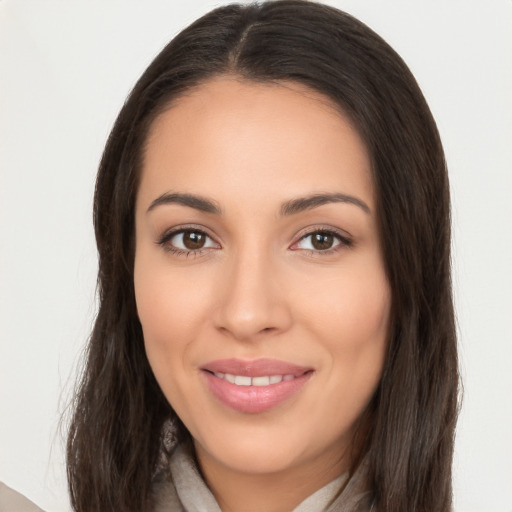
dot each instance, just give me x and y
(184, 490)
(12, 501)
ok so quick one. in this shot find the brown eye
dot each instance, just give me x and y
(194, 240)
(187, 241)
(322, 241)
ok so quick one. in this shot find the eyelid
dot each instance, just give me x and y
(344, 237)
(170, 233)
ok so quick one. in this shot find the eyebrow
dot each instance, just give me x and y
(291, 207)
(190, 200)
(308, 203)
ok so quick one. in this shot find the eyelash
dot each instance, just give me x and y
(343, 241)
(168, 236)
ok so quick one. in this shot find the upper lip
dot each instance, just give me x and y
(255, 368)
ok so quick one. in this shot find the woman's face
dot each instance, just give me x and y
(259, 277)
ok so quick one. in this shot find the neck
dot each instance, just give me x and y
(279, 491)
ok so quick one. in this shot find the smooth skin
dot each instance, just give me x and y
(253, 281)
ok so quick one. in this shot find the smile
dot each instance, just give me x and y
(254, 386)
(245, 380)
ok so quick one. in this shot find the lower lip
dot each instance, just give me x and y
(254, 399)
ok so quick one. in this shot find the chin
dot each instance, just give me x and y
(255, 458)
(260, 451)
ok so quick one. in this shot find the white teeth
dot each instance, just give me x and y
(260, 381)
(244, 380)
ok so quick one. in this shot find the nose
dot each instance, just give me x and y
(253, 299)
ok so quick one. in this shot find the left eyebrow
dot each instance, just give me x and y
(308, 203)
(192, 201)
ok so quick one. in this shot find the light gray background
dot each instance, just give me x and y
(65, 69)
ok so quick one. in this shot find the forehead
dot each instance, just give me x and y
(237, 136)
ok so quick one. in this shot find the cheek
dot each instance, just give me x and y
(352, 308)
(168, 312)
(350, 316)
(363, 326)
(170, 303)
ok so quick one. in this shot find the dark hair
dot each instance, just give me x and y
(115, 437)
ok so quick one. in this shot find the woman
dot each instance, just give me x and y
(275, 328)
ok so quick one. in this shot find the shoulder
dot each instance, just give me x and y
(357, 495)
(180, 487)
(165, 496)
(12, 501)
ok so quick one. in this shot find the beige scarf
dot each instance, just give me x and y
(182, 489)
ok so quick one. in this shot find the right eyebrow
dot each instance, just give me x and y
(192, 201)
(314, 201)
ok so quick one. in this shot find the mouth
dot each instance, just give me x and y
(263, 380)
(254, 386)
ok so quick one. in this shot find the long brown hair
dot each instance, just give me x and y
(115, 437)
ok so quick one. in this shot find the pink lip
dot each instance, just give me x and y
(255, 368)
(254, 399)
